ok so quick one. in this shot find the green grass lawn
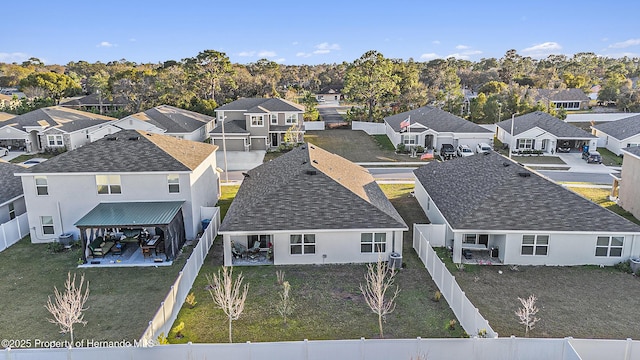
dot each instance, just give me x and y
(121, 301)
(356, 146)
(601, 197)
(328, 301)
(609, 158)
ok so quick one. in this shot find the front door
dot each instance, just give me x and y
(483, 239)
(274, 139)
(428, 141)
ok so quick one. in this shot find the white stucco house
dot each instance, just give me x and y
(626, 184)
(619, 135)
(431, 127)
(11, 196)
(310, 206)
(131, 179)
(541, 131)
(525, 218)
(172, 121)
(568, 99)
(54, 128)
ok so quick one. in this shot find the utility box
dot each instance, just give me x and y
(395, 260)
(65, 239)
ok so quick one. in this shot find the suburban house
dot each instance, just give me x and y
(130, 180)
(510, 215)
(626, 185)
(257, 123)
(95, 103)
(541, 131)
(431, 127)
(310, 206)
(330, 95)
(172, 121)
(54, 128)
(11, 196)
(619, 135)
(568, 99)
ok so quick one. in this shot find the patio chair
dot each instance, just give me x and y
(255, 248)
(238, 250)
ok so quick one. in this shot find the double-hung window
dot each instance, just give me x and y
(42, 187)
(108, 184)
(373, 242)
(302, 244)
(274, 119)
(257, 120)
(47, 225)
(526, 144)
(535, 245)
(291, 119)
(12, 211)
(174, 183)
(55, 140)
(610, 246)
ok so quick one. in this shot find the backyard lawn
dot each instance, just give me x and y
(609, 158)
(121, 301)
(356, 146)
(328, 302)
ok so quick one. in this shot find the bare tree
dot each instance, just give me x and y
(527, 313)
(378, 281)
(68, 307)
(228, 294)
(285, 307)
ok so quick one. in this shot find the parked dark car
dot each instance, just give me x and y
(592, 156)
(564, 148)
(447, 151)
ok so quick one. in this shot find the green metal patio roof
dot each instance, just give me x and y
(130, 214)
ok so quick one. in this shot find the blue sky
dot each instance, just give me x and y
(314, 32)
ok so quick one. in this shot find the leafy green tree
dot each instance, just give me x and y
(206, 70)
(370, 80)
(493, 87)
(98, 83)
(477, 105)
(56, 85)
(267, 74)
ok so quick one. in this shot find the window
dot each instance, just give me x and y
(108, 184)
(41, 185)
(525, 143)
(47, 225)
(264, 240)
(174, 183)
(291, 119)
(470, 239)
(535, 245)
(257, 120)
(409, 139)
(302, 244)
(609, 246)
(373, 242)
(274, 119)
(54, 140)
(12, 211)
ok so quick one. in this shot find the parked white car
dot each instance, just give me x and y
(483, 148)
(4, 151)
(464, 150)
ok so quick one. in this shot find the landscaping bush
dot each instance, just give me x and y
(401, 148)
(623, 266)
(419, 149)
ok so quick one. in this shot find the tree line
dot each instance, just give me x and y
(377, 86)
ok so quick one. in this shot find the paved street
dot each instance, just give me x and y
(330, 114)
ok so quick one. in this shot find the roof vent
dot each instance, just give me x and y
(304, 162)
(524, 174)
(134, 138)
(303, 147)
(505, 164)
(245, 174)
(311, 147)
(312, 172)
(315, 161)
(112, 138)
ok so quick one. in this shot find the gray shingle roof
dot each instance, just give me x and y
(119, 153)
(65, 119)
(231, 127)
(481, 193)
(546, 122)
(621, 129)
(282, 195)
(92, 100)
(260, 105)
(10, 185)
(561, 95)
(173, 119)
(436, 119)
(633, 150)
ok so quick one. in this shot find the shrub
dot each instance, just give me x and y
(55, 247)
(437, 295)
(419, 149)
(623, 266)
(191, 300)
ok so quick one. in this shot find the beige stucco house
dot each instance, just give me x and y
(627, 184)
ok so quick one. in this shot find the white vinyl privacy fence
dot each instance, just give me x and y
(467, 314)
(13, 230)
(369, 127)
(169, 308)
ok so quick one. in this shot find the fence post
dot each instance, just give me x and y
(306, 349)
(4, 236)
(18, 225)
(362, 349)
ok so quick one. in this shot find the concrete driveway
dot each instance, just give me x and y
(240, 160)
(577, 164)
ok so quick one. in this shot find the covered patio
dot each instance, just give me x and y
(127, 233)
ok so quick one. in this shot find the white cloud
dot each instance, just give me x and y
(542, 50)
(14, 57)
(457, 56)
(327, 46)
(267, 54)
(625, 44)
(303, 54)
(280, 60)
(246, 53)
(429, 56)
(436, 42)
(462, 47)
(620, 55)
(106, 44)
(132, 40)
(294, 43)
(321, 51)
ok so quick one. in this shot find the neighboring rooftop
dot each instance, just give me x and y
(546, 122)
(621, 129)
(561, 95)
(436, 119)
(330, 90)
(5, 116)
(64, 119)
(310, 189)
(94, 100)
(635, 151)
(232, 127)
(10, 185)
(173, 119)
(129, 151)
(501, 195)
(261, 105)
